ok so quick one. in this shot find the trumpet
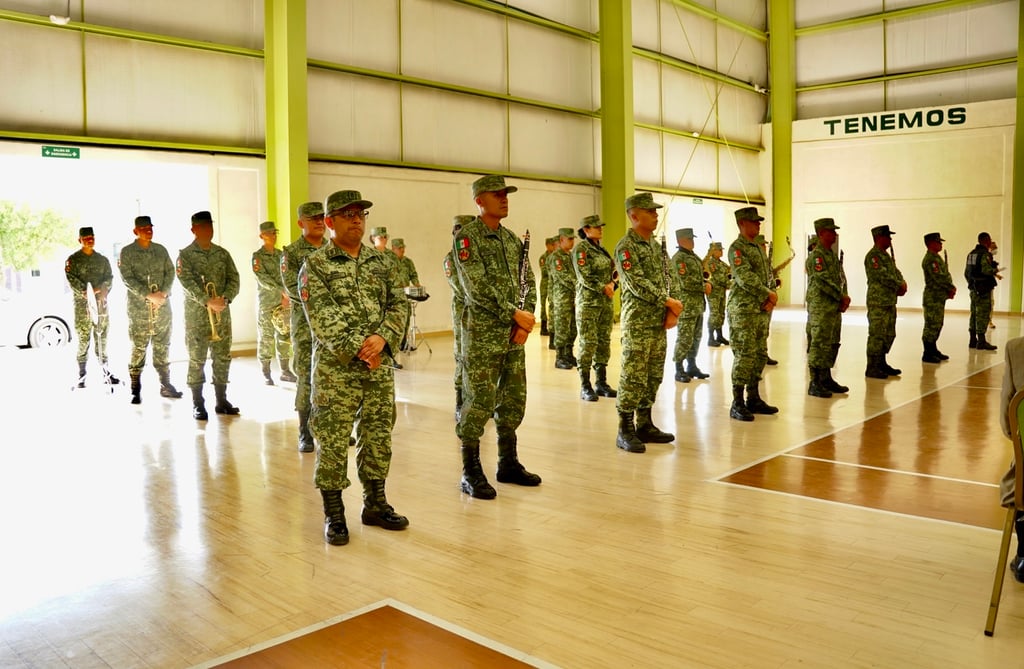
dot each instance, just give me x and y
(153, 288)
(211, 292)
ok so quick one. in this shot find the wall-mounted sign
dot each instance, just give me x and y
(62, 152)
(903, 120)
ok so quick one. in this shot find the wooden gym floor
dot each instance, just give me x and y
(850, 532)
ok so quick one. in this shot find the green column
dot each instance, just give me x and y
(286, 106)
(1017, 211)
(617, 168)
(782, 84)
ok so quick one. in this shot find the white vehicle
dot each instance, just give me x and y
(35, 320)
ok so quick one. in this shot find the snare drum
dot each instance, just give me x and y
(418, 293)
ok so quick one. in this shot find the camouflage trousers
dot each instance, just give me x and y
(360, 398)
(749, 331)
(881, 329)
(197, 341)
(689, 331)
(824, 328)
(302, 363)
(643, 367)
(934, 316)
(493, 384)
(545, 297)
(595, 330)
(97, 334)
(564, 317)
(716, 309)
(981, 311)
(458, 326)
(138, 333)
(269, 340)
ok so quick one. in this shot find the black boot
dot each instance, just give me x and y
(890, 370)
(198, 403)
(973, 343)
(286, 371)
(551, 340)
(510, 470)
(136, 387)
(721, 339)
(306, 443)
(693, 371)
(739, 410)
(681, 374)
(562, 358)
(647, 431)
(771, 361)
(930, 353)
(223, 406)
(81, 375)
(474, 483)
(166, 389)
(335, 529)
(543, 328)
(832, 384)
(570, 356)
(874, 369)
(983, 344)
(712, 339)
(627, 439)
(377, 511)
(601, 386)
(267, 378)
(587, 393)
(109, 378)
(817, 387)
(942, 356)
(756, 404)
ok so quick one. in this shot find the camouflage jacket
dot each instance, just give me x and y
(752, 279)
(884, 279)
(407, 275)
(543, 263)
(981, 270)
(292, 257)
(81, 269)
(560, 272)
(594, 268)
(825, 282)
(142, 268)
(197, 268)
(720, 276)
(266, 265)
(646, 281)
(450, 273)
(689, 272)
(938, 282)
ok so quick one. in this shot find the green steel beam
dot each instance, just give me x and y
(908, 75)
(701, 10)
(1017, 182)
(888, 15)
(782, 74)
(527, 17)
(724, 197)
(129, 143)
(678, 64)
(617, 148)
(698, 137)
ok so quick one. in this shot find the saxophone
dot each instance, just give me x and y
(211, 292)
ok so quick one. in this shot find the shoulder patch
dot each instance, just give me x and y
(819, 264)
(177, 268)
(582, 260)
(255, 263)
(737, 257)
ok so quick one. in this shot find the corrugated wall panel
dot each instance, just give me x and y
(235, 22)
(42, 74)
(990, 83)
(353, 116)
(838, 101)
(690, 164)
(354, 32)
(552, 143)
(453, 129)
(550, 66)
(842, 54)
(952, 37)
(580, 14)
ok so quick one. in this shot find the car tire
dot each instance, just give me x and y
(49, 332)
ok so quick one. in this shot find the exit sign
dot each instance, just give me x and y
(62, 152)
(698, 200)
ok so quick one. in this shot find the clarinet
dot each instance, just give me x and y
(842, 271)
(670, 318)
(524, 271)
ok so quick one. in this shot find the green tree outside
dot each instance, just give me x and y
(27, 237)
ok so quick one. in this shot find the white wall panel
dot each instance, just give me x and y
(990, 83)
(645, 24)
(236, 22)
(353, 116)
(688, 37)
(688, 101)
(42, 74)
(811, 12)
(550, 66)
(690, 164)
(647, 162)
(453, 129)
(838, 101)
(551, 143)
(580, 14)
(138, 89)
(453, 43)
(646, 91)
(841, 54)
(353, 32)
(739, 172)
(742, 57)
(753, 13)
(968, 34)
(740, 115)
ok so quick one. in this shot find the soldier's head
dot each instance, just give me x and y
(551, 243)
(748, 221)
(985, 240)
(87, 239)
(643, 213)
(716, 249)
(566, 238)
(346, 214)
(379, 237)
(491, 196)
(882, 236)
(202, 228)
(825, 231)
(592, 227)
(268, 233)
(933, 241)
(311, 221)
(684, 238)
(143, 230)
(398, 246)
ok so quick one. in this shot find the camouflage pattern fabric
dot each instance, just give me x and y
(719, 271)
(825, 293)
(347, 300)
(938, 284)
(545, 285)
(266, 266)
(94, 270)
(752, 282)
(563, 297)
(292, 258)
(593, 266)
(140, 269)
(689, 273)
(407, 275)
(494, 382)
(458, 317)
(197, 267)
(981, 280)
(981, 311)
(884, 283)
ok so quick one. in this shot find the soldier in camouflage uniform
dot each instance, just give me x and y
(720, 278)
(545, 283)
(210, 280)
(407, 274)
(751, 300)
(356, 309)
(595, 287)
(271, 297)
(379, 239)
(650, 305)
(563, 299)
(885, 285)
(501, 294)
(147, 272)
(827, 299)
(981, 274)
(311, 223)
(86, 270)
(938, 287)
(693, 287)
(458, 313)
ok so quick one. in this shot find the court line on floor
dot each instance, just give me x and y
(858, 465)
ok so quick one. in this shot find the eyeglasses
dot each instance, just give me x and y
(352, 214)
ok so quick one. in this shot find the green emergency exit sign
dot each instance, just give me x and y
(62, 152)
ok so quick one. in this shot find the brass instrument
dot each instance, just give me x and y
(153, 288)
(281, 319)
(211, 292)
(781, 266)
(92, 304)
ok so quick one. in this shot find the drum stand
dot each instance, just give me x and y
(413, 335)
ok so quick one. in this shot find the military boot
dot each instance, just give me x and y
(930, 353)
(286, 371)
(973, 343)
(510, 470)
(335, 529)
(647, 431)
(712, 339)
(601, 386)
(543, 328)
(377, 511)
(267, 378)
(721, 339)
(587, 393)
(817, 387)
(626, 439)
(81, 375)
(693, 371)
(681, 374)
(983, 344)
(306, 443)
(198, 403)
(474, 483)
(739, 410)
(874, 370)
(757, 405)
(551, 340)
(570, 356)
(166, 389)
(832, 384)
(223, 406)
(562, 358)
(942, 356)
(889, 369)
(136, 386)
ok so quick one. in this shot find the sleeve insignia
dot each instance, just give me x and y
(582, 259)
(463, 242)
(447, 268)
(464, 253)
(178, 267)
(558, 264)
(874, 262)
(284, 263)
(682, 269)
(67, 265)
(303, 280)
(624, 255)
(626, 266)
(255, 264)
(304, 294)
(737, 257)
(818, 264)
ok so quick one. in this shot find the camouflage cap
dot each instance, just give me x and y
(641, 201)
(684, 233)
(566, 232)
(551, 240)
(310, 209)
(85, 232)
(379, 232)
(491, 183)
(825, 224)
(748, 214)
(592, 221)
(143, 221)
(715, 246)
(881, 231)
(202, 217)
(268, 226)
(345, 198)
(398, 243)
(933, 237)
(812, 241)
